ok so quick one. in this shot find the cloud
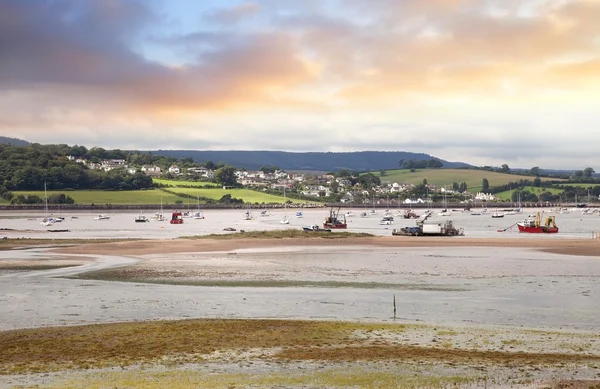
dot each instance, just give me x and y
(303, 75)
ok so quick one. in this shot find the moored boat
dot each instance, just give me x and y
(535, 226)
(316, 228)
(141, 219)
(422, 228)
(102, 217)
(176, 218)
(333, 221)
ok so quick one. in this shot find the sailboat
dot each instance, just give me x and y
(158, 217)
(445, 211)
(285, 219)
(47, 221)
(198, 214)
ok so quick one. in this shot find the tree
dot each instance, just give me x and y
(485, 185)
(425, 181)
(587, 172)
(225, 176)
(537, 181)
(505, 169)
(535, 171)
(368, 180)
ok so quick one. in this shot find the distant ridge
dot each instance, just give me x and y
(315, 161)
(13, 141)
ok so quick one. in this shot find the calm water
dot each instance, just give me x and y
(121, 224)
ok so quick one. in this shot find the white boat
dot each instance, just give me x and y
(349, 214)
(47, 221)
(198, 214)
(264, 213)
(102, 217)
(299, 214)
(445, 212)
(141, 219)
(285, 220)
(497, 214)
(248, 215)
(387, 220)
(158, 217)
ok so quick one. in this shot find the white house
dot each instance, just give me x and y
(151, 170)
(174, 169)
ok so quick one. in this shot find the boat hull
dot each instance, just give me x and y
(341, 226)
(537, 229)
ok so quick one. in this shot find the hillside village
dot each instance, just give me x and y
(322, 186)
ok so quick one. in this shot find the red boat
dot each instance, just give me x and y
(334, 222)
(176, 218)
(535, 226)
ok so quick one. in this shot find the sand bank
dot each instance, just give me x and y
(584, 247)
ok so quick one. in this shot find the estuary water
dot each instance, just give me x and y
(458, 285)
(122, 225)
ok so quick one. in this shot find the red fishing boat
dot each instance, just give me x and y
(333, 221)
(176, 218)
(535, 226)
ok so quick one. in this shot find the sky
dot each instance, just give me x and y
(485, 82)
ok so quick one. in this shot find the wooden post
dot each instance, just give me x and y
(394, 307)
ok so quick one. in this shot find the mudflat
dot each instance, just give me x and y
(220, 280)
(584, 247)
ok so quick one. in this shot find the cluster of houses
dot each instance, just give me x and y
(317, 186)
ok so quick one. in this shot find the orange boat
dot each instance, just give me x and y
(535, 226)
(176, 218)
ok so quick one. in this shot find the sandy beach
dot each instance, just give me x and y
(470, 313)
(585, 247)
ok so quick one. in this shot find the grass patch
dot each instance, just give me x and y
(446, 177)
(117, 197)
(249, 196)
(167, 277)
(13, 243)
(156, 196)
(280, 234)
(188, 341)
(506, 195)
(330, 378)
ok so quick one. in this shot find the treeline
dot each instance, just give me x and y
(33, 166)
(431, 163)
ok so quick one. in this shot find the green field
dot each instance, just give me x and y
(184, 183)
(506, 195)
(247, 195)
(156, 196)
(445, 177)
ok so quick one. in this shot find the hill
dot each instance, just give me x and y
(315, 161)
(445, 177)
(13, 141)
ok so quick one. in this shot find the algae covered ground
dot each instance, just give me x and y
(293, 354)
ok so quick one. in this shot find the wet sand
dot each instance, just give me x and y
(583, 247)
(505, 289)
